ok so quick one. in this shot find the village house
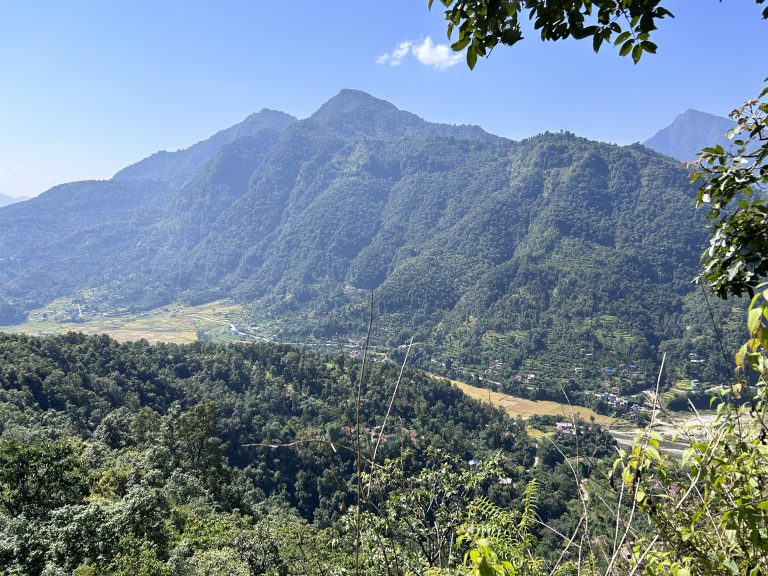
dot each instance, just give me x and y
(565, 428)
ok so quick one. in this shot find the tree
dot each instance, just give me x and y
(712, 515)
(627, 24)
(737, 257)
(485, 23)
(38, 476)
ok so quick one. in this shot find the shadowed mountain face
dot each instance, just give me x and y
(460, 233)
(689, 133)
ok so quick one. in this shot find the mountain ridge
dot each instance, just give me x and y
(6, 200)
(474, 244)
(179, 166)
(688, 133)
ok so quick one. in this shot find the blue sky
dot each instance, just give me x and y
(88, 87)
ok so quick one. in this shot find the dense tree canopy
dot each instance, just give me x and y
(140, 459)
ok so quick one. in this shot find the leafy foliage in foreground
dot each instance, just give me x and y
(140, 459)
(483, 25)
(734, 185)
(712, 515)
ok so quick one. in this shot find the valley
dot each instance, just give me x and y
(210, 347)
(518, 407)
(178, 324)
(553, 256)
(224, 322)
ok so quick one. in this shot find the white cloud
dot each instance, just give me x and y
(438, 56)
(397, 55)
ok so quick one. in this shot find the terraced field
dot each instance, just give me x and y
(216, 321)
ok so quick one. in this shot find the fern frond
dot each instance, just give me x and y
(530, 504)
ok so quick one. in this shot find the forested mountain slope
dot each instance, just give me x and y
(478, 246)
(139, 459)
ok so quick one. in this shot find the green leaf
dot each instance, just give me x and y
(461, 44)
(753, 319)
(731, 565)
(623, 37)
(597, 40)
(471, 57)
(626, 47)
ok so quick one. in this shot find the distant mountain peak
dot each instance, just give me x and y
(360, 96)
(357, 112)
(5, 200)
(267, 114)
(352, 111)
(356, 98)
(688, 133)
(179, 166)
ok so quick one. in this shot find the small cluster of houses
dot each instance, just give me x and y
(613, 400)
(624, 370)
(565, 428)
(494, 367)
(630, 370)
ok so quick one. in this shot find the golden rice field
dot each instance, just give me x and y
(524, 408)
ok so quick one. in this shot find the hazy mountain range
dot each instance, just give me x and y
(5, 200)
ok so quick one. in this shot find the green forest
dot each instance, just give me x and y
(204, 459)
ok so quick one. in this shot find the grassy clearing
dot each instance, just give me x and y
(535, 433)
(174, 323)
(524, 408)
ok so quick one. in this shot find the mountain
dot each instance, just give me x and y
(177, 167)
(530, 253)
(689, 133)
(353, 112)
(5, 200)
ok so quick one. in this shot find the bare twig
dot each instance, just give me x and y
(569, 541)
(645, 445)
(389, 410)
(358, 459)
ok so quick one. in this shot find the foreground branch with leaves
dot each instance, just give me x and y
(711, 513)
(735, 181)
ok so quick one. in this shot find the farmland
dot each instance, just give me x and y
(524, 408)
(215, 321)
